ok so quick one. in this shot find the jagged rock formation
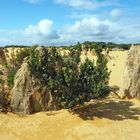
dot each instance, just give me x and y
(131, 80)
(4, 102)
(2, 56)
(6, 54)
(11, 52)
(27, 95)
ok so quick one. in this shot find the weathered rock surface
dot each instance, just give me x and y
(27, 95)
(4, 99)
(2, 56)
(131, 80)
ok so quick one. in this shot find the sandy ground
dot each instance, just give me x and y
(116, 65)
(109, 119)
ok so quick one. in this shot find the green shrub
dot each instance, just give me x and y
(11, 76)
(88, 45)
(1, 81)
(69, 81)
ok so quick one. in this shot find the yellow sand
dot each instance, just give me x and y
(110, 119)
(116, 65)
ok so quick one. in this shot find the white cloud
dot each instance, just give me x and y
(86, 29)
(76, 3)
(115, 14)
(90, 29)
(86, 4)
(44, 29)
(77, 15)
(130, 33)
(41, 33)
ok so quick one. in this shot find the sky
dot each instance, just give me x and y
(65, 22)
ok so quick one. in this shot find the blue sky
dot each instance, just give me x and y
(61, 22)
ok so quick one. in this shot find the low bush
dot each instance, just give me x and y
(70, 81)
(11, 76)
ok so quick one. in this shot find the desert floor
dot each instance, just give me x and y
(108, 119)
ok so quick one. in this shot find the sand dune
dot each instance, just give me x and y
(108, 119)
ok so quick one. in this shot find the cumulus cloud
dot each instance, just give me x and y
(86, 4)
(90, 29)
(41, 33)
(86, 29)
(44, 29)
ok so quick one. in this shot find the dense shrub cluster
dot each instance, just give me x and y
(109, 45)
(16, 46)
(11, 76)
(89, 44)
(70, 81)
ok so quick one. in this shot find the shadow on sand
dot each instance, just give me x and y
(110, 109)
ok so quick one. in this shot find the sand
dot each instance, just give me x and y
(116, 65)
(108, 119)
